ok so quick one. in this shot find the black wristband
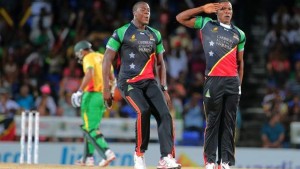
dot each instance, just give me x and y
(164, 87)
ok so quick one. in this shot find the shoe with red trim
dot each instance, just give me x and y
(168, 162)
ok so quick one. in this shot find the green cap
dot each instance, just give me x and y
(81, 45)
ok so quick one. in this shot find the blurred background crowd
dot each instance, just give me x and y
(39, 72)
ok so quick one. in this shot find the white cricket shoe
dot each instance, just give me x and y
(88, 162)
(225, 166)
(110, 156)
(139, 162)
(210, 166)
(168, 162)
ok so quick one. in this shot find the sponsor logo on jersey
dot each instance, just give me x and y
(151, 37)
(132, 38)
(235, 36)
(215, 29)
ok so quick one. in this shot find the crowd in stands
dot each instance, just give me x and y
(39, 72)
(281, 104)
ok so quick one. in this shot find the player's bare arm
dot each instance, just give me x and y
(109, 56)
(241, 65)
(162, 73)
(112, 82)
(161, 70)
(188, 17)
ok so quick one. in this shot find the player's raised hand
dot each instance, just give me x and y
(211, 8)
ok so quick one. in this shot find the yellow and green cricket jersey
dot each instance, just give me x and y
(94, 60)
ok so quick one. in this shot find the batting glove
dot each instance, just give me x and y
(76, 99)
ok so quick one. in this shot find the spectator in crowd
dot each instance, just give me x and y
(294, 115)
(41, 33)
(275, 104)
(296, 16)
(275, 35)
(65, 107)
(54, 63)
(71, 78)
(193, 115)
(25, 99)
(182, 36)
(281, 16)
(10, 67)
(278, 65)
(126, 110)
(273, 132)
(163, 23)
(33, 66)
(176, 106)
(8, 109)
(177, 61)
(293, 85)
(294, 102)
(45, 103)
(293, 34)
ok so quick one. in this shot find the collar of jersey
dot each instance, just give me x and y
(226, 26)
(222, 24)
(138, 28)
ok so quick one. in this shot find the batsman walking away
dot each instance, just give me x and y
(89, 98)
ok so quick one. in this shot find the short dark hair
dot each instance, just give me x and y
(135, 6)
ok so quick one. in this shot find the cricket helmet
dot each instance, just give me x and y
(80, 46)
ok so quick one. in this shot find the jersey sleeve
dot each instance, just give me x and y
(160, 47)
(159, 44)
(114, 42)
(201, 21)
(116, 39)
(88, 62)
(242, 41)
